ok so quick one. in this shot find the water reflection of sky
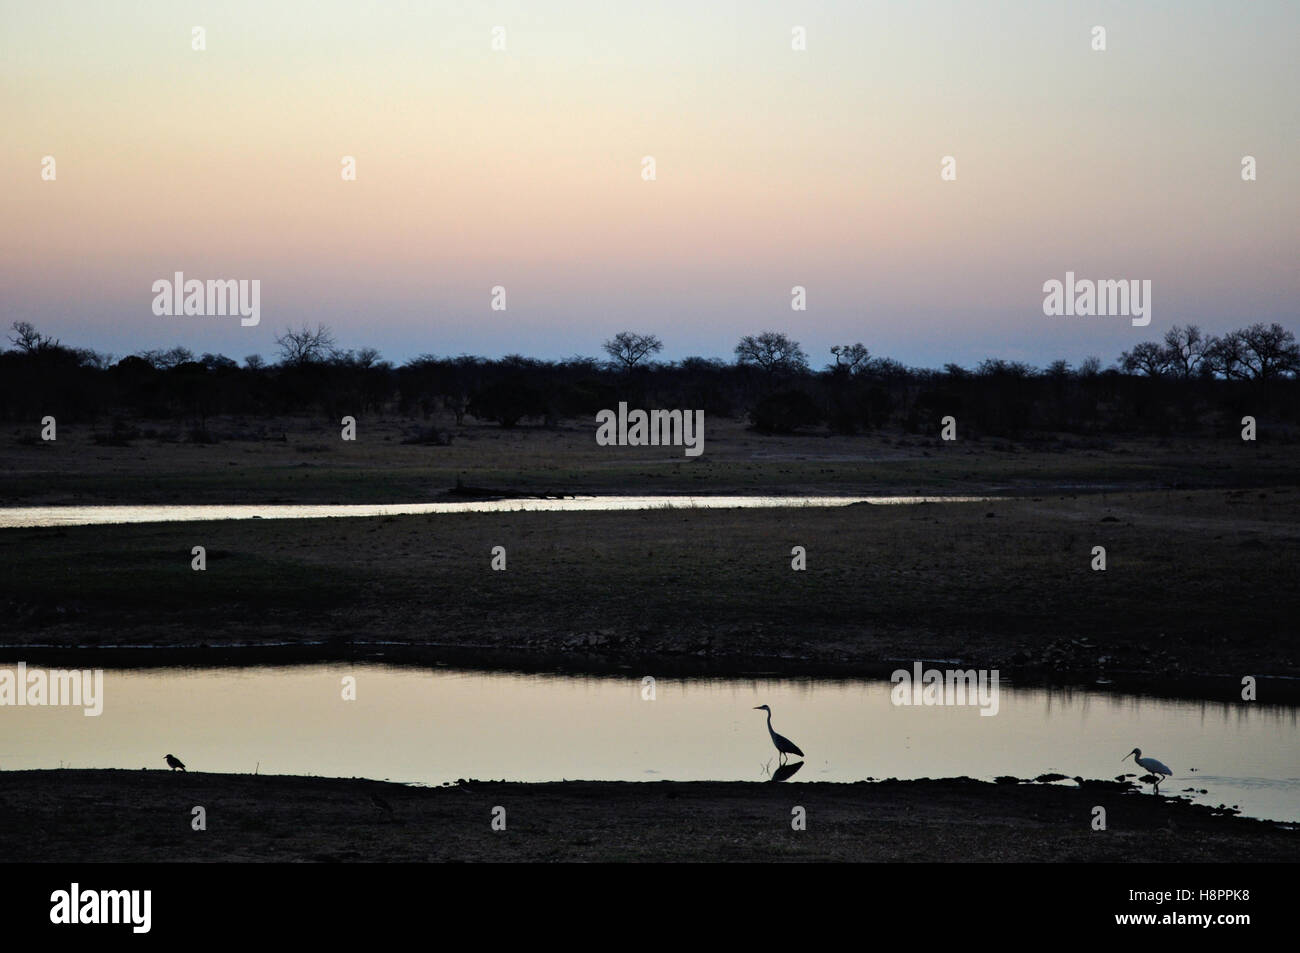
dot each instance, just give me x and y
(28, 516)
(428, 726)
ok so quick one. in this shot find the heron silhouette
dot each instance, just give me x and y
(784, 745)
(1158, 768)
(175, 763)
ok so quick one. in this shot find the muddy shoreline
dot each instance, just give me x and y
(1199, 589)
(117, 815)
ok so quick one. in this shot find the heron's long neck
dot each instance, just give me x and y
(769, 719)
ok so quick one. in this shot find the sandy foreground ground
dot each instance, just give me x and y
(114, 815)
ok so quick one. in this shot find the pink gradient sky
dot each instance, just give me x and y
(775, 168)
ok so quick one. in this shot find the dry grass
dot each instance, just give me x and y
(1197, 581)
(252, 463)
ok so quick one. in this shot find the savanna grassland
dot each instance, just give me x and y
(303, 460)
(1201, 542)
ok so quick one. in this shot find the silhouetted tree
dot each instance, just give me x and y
(1184, 381)
(1090, 367)
(773, 352)
(168, 359)
(27, 339)
(852, 358)
(1185, 350)
(305, 345)
(1268, 351)
(628, 349)
(1147, 358)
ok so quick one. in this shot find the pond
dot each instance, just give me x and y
(431, 725)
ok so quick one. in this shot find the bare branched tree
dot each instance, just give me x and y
(166, 360)
(305, 345)
(1148, 358)
(851, 358)
(27, 338)
(629, 349)
(1185, 350)
(100, 360)
(772, 351)
(1269, 350)
(367, 357)
(1226, 356)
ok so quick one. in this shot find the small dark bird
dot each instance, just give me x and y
(175, 763)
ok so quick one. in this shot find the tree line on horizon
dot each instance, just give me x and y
(1189, 382)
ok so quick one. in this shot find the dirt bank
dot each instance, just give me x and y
(1197, 583)
(106, 815)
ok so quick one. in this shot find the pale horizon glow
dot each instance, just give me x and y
(775, 168)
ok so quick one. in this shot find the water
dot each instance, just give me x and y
(23, 516)
(427, 726)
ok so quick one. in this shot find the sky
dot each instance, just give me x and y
(774, 168)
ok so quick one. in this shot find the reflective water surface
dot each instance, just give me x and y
(428, 726)
(18, 516)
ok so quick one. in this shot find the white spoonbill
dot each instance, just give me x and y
(1155, 767)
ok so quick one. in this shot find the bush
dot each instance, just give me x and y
(785, 412)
